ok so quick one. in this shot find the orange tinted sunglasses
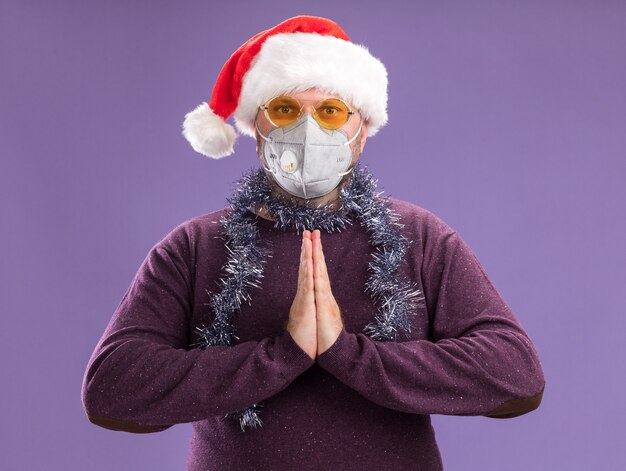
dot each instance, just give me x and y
(284, 110)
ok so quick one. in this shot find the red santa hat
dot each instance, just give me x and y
(300, 53)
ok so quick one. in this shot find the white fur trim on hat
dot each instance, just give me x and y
(208, 133)
(293, 62)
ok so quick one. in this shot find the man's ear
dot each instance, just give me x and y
(363, 134)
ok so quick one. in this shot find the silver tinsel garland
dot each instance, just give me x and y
(397, 299)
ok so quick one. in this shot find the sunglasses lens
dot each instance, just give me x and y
(332, 114)
(283, 111)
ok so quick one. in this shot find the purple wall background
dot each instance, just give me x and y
(507, 119)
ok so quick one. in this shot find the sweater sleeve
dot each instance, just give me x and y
(479, 361)
(142, 377)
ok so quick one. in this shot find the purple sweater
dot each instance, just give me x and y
(362, 404)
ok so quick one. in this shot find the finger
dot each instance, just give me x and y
(314, 240)
(322, 296)
(320, 250)
(301, 266)
(322, 286)
(316, 259)
(308, 280)
(308, 249)
(314, 237)
(320, 260)
(304, 256)
(305, 237)
(318, 279)
(316, 234)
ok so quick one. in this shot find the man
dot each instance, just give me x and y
(286, 351)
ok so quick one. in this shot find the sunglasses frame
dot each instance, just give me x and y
(265, 108)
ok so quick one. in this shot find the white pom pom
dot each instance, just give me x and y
(208, 133)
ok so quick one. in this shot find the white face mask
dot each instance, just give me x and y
(307, 160)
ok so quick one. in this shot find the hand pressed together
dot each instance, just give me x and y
(314, 318)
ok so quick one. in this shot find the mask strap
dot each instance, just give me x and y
(348, 143)
(345, 173)
(256, 125)
(357, 133)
